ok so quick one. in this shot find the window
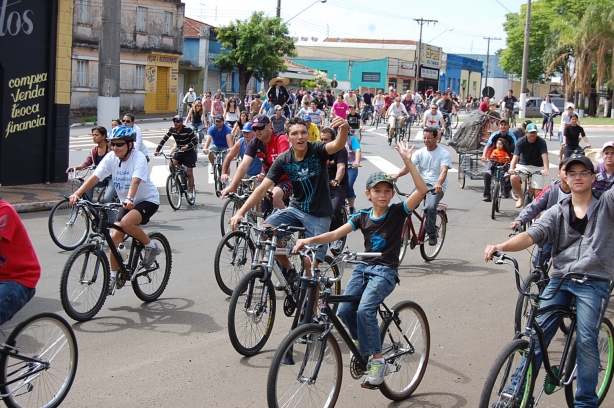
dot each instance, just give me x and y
(81, 79)
(141, 19)
(84, 12)
(139, 77)
(371, 77)
(168, 19)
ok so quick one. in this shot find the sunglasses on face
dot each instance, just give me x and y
(257, 128)
(176, 121)
(126, 121)
(119, 144)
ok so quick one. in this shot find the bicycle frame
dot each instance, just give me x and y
(40, 365)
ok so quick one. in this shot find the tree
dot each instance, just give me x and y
(321, 79)
(256, 47)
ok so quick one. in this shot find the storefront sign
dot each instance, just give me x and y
(407, 65)
(430, 56)
(429, 73)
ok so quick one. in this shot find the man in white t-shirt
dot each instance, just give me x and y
(129, 171)
(128, 120)
(350, 98)
(546, 108)
(433, 162)
(434, 118)
(189, 98)
(396, 112)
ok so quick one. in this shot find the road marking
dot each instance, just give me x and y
(159, 174)
(387, 167)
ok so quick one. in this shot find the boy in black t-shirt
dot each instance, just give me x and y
(381, 226)
(354, 119)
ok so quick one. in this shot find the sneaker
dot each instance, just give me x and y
(487, 199)
(519, 202)
(335, 245)
(149, 255)
(291, 275)
(506, 193)
(433, 240)
(191, 196)
(210, 169)
(112, 282)
(377, 371)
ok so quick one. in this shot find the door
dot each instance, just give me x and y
(162, 96)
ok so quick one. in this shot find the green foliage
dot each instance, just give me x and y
(307, 84)
(256, 47)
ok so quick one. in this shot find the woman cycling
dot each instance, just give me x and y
(196, 120)
(572, 135)
(238, 127)
(207, 103)
(231, 112)
(99, 136)
(217, 107)
(379, 103)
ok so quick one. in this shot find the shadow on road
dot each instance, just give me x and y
(454, 267)
(432, 400)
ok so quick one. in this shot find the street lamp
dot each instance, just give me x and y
(287, 21)
(444, 31)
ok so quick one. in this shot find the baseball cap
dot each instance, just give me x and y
(278, 107)
(218, 117)
(260, 120)
(177, 118)
(379, 177)
(247, 127)
(582, 160)
(306, 118)
(531, 127)
(607, 144)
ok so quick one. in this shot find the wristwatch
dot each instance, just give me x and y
(130, 198)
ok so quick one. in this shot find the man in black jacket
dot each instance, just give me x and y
(278, 94)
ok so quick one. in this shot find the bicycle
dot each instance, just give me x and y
(512, 118)
(177, 184)
(359, 131)
(418, 115)
(307, 367)
(251, 313)
(511, 380)
(447, 133)
(85, 279)
(410, 238)
(236, 200)
(549, 126)
(38, 362)
(528, 193)
(396, 133)
(217, 169)
(454, 120)
(69, 226)
(497, 182)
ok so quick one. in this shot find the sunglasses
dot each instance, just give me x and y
(120, 144)
(126, 121)
(257, 128)
(176, 121)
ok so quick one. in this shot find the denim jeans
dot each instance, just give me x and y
(374, 283)
(352, 175)
(591, 302)
(430, 210)
(297, 218)
(366, 109)
(13, 296)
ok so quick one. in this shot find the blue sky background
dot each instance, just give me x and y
(469, 21)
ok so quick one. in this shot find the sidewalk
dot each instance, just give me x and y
(35, 197)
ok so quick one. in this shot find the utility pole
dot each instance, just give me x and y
(525, 63)
(108, 63)
(488, 57)
(420, 21)
(278, 8)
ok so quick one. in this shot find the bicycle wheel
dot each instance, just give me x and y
(344, 220)
(377, 120)
(295, 385)
(500, 388)
(406, 343)
(47, 337)
(606, 364)
(429, 252)
(496, 197)
(84, 283)
(454, 121)
(232, 260)
(527, 200)
(173, 191)
(523, 304)
(186, 192)
(68, 225)
(461, 175)
(251, 313)
(229, 209)
(150, 281)
(404, 243)
(217, 175)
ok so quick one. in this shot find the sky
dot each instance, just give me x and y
(461, 27)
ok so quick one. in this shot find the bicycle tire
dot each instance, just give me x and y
(82, 290)
(232, 261)
(186, 179)
(407, 370)
(173, 191)
(404, 243)
(461, 176)
(68, 225)
(430, 252)
(150, 281)
(217, 174)
(606, 366)
(496, 384)
(523, 303)
(290, 385)
(527, 200)
(495, 199)
(244, 319)
(229, 209)
(454, 121)
(344, 220)
(45, 336)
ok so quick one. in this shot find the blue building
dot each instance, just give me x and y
(462, 75)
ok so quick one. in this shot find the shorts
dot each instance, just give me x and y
(286, 187)
(313, 225)
(146, 208)
(392, 120)
(537, 180)
(13, 297)
(187, 158)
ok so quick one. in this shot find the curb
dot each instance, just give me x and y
(74, 125)
(33, 207)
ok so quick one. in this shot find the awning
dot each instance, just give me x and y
(401, 76)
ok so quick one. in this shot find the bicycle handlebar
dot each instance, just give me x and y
(346, 256)
(432, 190)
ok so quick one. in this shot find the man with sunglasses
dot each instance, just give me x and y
(128, 120)
(139, 195)
(266, 147)
(580, 230)
(219, 137)
(186, 141)
(434, 118)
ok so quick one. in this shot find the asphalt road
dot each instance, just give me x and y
(175, 351)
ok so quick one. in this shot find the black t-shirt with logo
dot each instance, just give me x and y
(309, 179)
(353, 120)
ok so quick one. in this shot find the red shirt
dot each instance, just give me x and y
(18, 261)
(483, 107)
(269, 152)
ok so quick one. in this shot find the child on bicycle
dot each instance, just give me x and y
(374, 280)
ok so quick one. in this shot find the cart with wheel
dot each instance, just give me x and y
(470, 165)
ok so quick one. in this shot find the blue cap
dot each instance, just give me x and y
(306, 118)
(247, 127)
(531, 127)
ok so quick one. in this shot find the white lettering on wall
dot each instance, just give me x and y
(11, 22)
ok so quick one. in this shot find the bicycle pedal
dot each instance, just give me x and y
(369, 386)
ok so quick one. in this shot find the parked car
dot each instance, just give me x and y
(533, 104)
